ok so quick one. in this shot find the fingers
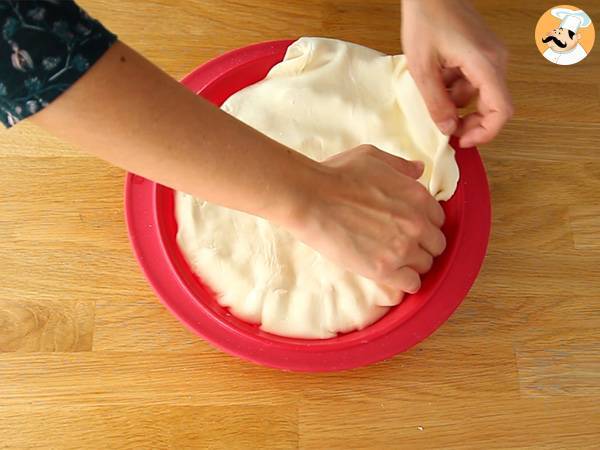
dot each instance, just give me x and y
(494, 105)
(471, 126)
(477, 128)
(435, 213)
(460, 89)
(450, 75)
(413, 169)
(462, 92)
(420, 261)
(421, 234)
(423, 201)
(417, 258)
(403, 279)
(433, 240)
(428, 77)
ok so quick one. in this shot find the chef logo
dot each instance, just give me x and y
(564, 35)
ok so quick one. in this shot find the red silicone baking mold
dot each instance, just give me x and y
(152, 230)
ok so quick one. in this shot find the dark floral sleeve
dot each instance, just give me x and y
(45, 47)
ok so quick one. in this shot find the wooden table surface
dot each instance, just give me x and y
(91, 359)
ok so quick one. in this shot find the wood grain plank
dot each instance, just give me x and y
(64, 223)
(468, 423)
(532, 201)
(125, 378)
(494, 317)
(143, 324)
(46, 326)
(57, 179)
(62, 231)
(156, 427)
(70, 274)
(429, 372)
(177, 50)
(569, 367)
(27, 140)
(206, 378)
(346, 20)
(540, 184)
(538, 101)
(541, 141)
(585, 226)
(524, 137)
(558, 353)
(538, 273)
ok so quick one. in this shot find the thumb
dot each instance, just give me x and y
(428, 78)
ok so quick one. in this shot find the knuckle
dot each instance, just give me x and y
(419, 226)
(368, 149)
(439, 212)
(382, 266)
(361, 149)
(401, 248)
(428, 262)
(421, 194)
(441, 246)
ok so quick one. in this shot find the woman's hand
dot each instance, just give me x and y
(453, 57)
(368, 213)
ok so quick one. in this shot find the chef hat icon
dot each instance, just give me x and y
(570, 19)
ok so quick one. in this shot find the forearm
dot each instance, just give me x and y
(129, 112)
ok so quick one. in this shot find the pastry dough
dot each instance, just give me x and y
(325, 97)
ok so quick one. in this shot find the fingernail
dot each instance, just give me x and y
(447, 127)
(414, 290)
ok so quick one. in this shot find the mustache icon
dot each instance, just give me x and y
(555, 40)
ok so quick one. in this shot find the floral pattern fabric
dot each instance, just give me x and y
(45, 47)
